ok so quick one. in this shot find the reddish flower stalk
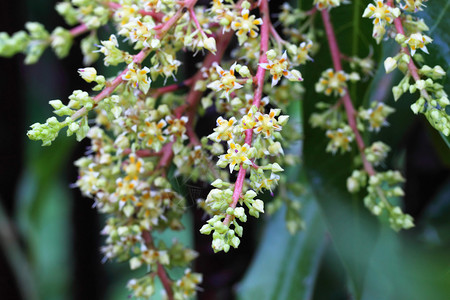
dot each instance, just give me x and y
(161, 272)
(111, 86)
(194, 98)
(79, 30)
(142, 152)
(138, 58)
(166, 282)
(264, 47)
(195, 20)
(276, 36)
(162, 30)
(346, 100)
(411, 66)
(166, 157)
(171, 88)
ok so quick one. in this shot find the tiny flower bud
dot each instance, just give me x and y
(415, 108)
(376, 210)
(390, 64)
(246, 5)
(210, 44)
(122, 230)
(239, 213)
(128, 210)
(235, 241)
(276, 168)
(397, 91)
(56, 104)
(244, 71)
(271, 54)
(352, 185)
(438, 71)
(135, 263)
(206, 229)
(74, 127)
(400, 38)
(217, 183)
(420, 84)
(88, 74)
(258, 205)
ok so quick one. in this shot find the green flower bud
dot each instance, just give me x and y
(206, 229)
(400, 38)
(390, 64)
(56, 104)
(246, 5)
(271, 54)
(244, 71)
(128, 210)
(258, 205)
(135, 263)
(276, 168)
(61, 41)
(235, 241)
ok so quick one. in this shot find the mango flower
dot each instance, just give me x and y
(138, 78)
(418, 40)
(153, 134)
(332, 82)
(339, 139)
(236, 155)
(244, 25)
(267, 123)
(279, 68)
(224, 130)
(381, 13)
(226, 82)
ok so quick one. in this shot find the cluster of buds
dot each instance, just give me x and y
(139, 131)
(142, 131)
(241, 157)
(409, 34)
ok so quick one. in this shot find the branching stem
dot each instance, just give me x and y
(346, 100)
(264, 47)
(411, 66)
(138, 58)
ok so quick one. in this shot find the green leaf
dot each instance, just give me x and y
(406, 269)
(286, 266)
(43, 215)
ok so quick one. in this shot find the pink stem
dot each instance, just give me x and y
(194, 98)
(411, 66)
(166, 156)
(138, 58)
(161, 271)
(334, 49)
(194, 18)
(111, 86)
(166, 282)
(78, 30)
(347, 101)
(171, 88)
(142, 152)
(189, 4)
(276, 36)
(264, 47)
